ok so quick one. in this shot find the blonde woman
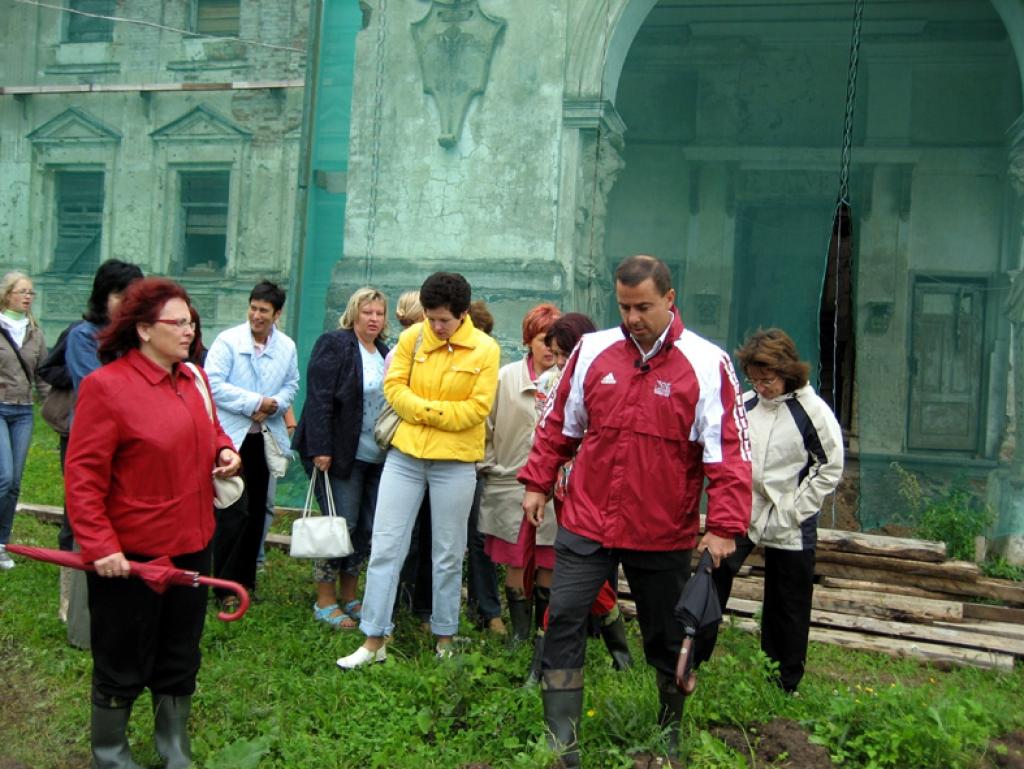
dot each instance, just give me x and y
(344, 395)
(22, 349)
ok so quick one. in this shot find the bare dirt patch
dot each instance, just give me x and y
(778, 743)
(1006, 752)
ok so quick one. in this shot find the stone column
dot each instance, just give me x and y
(1006, 485)
(600, 131)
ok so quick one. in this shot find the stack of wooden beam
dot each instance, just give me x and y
(897, 596)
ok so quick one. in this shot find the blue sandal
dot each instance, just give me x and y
(354, 609)
(323, 614)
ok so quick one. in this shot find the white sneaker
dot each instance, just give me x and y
(6, 562)
(362, 656)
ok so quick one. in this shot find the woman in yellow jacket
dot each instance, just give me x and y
(442, 382)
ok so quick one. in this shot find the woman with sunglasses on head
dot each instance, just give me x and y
(21, 351)
(143, 452)
(797, 456)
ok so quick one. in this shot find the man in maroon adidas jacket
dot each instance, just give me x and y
(649, 411)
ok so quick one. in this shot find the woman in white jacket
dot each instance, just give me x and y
(797, 456)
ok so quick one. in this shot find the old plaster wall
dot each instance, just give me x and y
(138, 138)
(486, 206)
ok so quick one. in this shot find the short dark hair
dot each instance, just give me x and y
(446, 289)
(143, 301)
(773, 349)
(568, 329)
(634, 270)
(265, 291)
(112, 277)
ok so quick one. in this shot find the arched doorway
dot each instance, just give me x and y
(733, 116)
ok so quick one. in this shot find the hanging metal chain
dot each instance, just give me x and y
(851, 100)
(376, 125)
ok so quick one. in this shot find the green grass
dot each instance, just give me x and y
(270, 696)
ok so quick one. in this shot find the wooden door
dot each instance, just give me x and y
(946, 365)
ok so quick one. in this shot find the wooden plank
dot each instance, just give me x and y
(1002, 590)
(876, 544)
(862, 602)
(994, 613)
(44, 513)
(878, 587)
(1008, 629)
(978, 636)
(919, 650)
(962, 570)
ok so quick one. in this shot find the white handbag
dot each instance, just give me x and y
(277, 459)
(226, 491)
(320, 536)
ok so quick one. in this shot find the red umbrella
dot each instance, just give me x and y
(159, 574)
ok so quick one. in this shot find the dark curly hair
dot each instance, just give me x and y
(446, 289)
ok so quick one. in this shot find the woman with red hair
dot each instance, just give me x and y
(523, 387)
(143, 451)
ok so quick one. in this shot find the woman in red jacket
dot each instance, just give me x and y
(138, 482)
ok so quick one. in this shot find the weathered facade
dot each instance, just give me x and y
(532, 146)
(137, 140)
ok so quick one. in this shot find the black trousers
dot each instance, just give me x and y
(239, 531)
(415, 582)
(656, 580)
(785, 613)
(142, 639)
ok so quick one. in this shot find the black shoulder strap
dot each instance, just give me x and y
(10, 341)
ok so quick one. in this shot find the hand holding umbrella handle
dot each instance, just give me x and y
(234, 587)
(686, 679)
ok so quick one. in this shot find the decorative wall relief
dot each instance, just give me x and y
(455, 43)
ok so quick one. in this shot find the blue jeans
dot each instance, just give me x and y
(354, 500)
(403, 484)
(15, 437)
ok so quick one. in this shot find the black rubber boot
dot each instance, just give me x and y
(613, 632)
(562, 693)
(541, 599)
(520, 609)
(170, 719)
(533, 676)
(670, 711)
(110, 737)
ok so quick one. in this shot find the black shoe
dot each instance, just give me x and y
(670, 711)
(170, 719)
(562, 693)
(614, 636)
(109, 737)
(520, 610)
(534, 674)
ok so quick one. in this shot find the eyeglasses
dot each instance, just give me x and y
(181, 323)
(762, 382)
(24, 292)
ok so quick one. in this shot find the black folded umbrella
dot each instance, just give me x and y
(698, 608)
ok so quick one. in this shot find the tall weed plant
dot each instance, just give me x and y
(954, 516)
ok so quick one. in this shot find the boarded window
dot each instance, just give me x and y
(204, 203)
(90, 29)
(217, 17)
(79, 199)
